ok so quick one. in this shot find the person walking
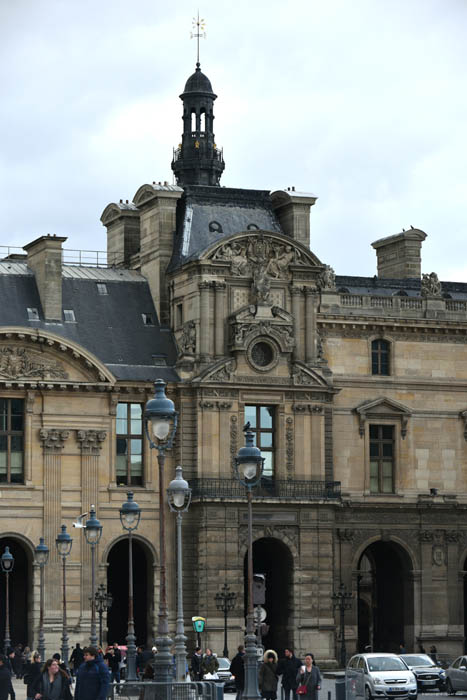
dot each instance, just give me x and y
(76, 659)
(209, 664)
(92, 679)
(288, 668)
(309, 677)
(32, 672)
(196, 660)
(267, 676)
(114, 665)
(6, 686)
(53, 683)
(237, 669)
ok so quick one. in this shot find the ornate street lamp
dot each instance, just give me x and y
(103, 603)
(93, 533)
(342, 601)
(249, 468)
(225, 602)
(161, 425)
(64, 542)
(130, 515)
(8, 563)
(41, 554)
(179, 498)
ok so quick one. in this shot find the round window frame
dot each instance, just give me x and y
(275, 355)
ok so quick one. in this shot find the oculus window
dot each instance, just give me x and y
(261, 420)
(11, 441)
(129, 467)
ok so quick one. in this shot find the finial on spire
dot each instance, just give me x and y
(199, 25)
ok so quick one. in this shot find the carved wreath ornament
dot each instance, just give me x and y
(18, 362)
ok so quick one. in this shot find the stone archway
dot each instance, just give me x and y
(20, 593)
(385, 593)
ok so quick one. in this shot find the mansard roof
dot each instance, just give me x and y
(382, 286)
(110, 326)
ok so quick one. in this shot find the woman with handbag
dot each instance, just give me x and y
(309, 680)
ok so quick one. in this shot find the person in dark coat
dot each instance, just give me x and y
(32, 672)
(6, 686)
(288, 668)
(237, 669)
(53, 682)
(196, 660)
(76, 658)
(310, 676)
(267, 676)
(209, 664)
(92, 679)
(114, 665)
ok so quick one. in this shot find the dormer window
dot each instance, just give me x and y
(102, 288)
(33, 314)
(148, 319)
(69, 316)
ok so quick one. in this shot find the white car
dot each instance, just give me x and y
(380, 675)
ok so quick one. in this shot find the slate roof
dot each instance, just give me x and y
(389, 287)
(108, 325)
(209, 214)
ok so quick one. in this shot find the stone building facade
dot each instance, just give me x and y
(355, 387)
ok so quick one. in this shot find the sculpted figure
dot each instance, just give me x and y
(188, 339)
(327, 279)
(431, 286)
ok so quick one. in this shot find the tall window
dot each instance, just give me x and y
(261, 420)
(11, 440)
(129, 468)
(381, 458)
(380, 357)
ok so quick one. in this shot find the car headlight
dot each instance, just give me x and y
(378, 681)
(442, 674)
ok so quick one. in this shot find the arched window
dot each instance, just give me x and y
(193, 121)
(202, 121)
(380, 350)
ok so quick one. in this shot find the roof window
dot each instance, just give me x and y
(33, 315)
(102, 288)
(148, 319)
(69, 316)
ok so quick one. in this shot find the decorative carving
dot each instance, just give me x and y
(53, 439)
(17, 362)
(208, 404)
(302, 376)
(300, 407)
(463, 415)
(327, 280)
(114, 399)
(187, 343)
(233, 440)
(439, 555)
(382, 407)
(289, 447)
(452, 536)
(346, 535)
(30, 398)
(430, 285)
(319, 346)
(91, 440)
(425, 536)
(224, 373)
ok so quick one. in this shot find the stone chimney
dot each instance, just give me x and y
(399, 256)
(293, 211)
(45, 260)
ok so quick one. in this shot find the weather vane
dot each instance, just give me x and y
(199, 26)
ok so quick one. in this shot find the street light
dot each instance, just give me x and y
(8, 563)
(225, 602)
(161, 425)
(130, 514)
(249, 467)
(103, 603)
(342, 601)
(93, 532)
(41, 554)
(179, 498)
(64, 542)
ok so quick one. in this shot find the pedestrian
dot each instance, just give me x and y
(6, 686)
(237, 669)
(92, 679)
(61, 664)
(76, 659)
(53, 683)
(309, 679)
(402, 649)
(267, 676)
(433, 654)
(196, 660)
(17, 661)
(209, 664)
(288, 668)
(421, 649)
(32, 672)
(113, 664)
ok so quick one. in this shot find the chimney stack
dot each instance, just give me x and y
(399, 256)
(45, 260)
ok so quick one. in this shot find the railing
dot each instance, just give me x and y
(83, 258)
(397, 303)
(268, 488)
(151, 690)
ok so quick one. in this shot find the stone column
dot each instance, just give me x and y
(296, 294)
(90, 442)
(204, 330)
(310, 325)
(53, 441)
(219, 290)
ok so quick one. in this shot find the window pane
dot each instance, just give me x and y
(266, 439)
(121, 426)
(387, 469)
(3, 445)
(374, 449)
(387, 449)
(387, 432)
(17, 406)
(121, 468)
(266, 414)
(136, 419)
(373, 432)
(250, 415)
(2, 460)
(16, 443)
(387, 485)
(136, 465)
(268, 464)
(3, 414)
(122, 411)
(374, 487)
(122, 444)
(384, 365)
(17, 422)
(136, 446)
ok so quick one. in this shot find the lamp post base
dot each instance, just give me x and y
(251, 691)
(163, 664)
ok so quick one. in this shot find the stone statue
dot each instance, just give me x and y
(261, 287)
(188, 339)
(327, 279)
(431, 286)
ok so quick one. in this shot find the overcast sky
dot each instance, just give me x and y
(361, 102)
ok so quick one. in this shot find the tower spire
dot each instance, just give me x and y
(199, 25)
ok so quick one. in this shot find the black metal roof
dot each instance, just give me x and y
(381, 286)
(198, 82)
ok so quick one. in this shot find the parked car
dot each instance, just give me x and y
(456, 675)
(381, 675)
(224, 675)
(429, 675)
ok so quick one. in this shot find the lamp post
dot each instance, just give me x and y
(179, 498)
(8, 562)
(64, 542)
(130, 514)
(225, 602)
(103, 603)
(342, 601)
(161, 425)
(249, 467)
(41, 554)
(93, 532)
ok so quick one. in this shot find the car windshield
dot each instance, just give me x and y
(417, 660)
(385, 663)
(224, 664)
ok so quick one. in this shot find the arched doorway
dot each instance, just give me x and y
(385, 598)
(117, 585)
(273, 559)
(19, 593)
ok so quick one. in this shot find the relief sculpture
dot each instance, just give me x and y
(18, 363)
(259, 257)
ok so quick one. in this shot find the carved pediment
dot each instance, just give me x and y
(383, 407)
(17, 362)
(305, 376)
(247, 324)
(222, 371)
